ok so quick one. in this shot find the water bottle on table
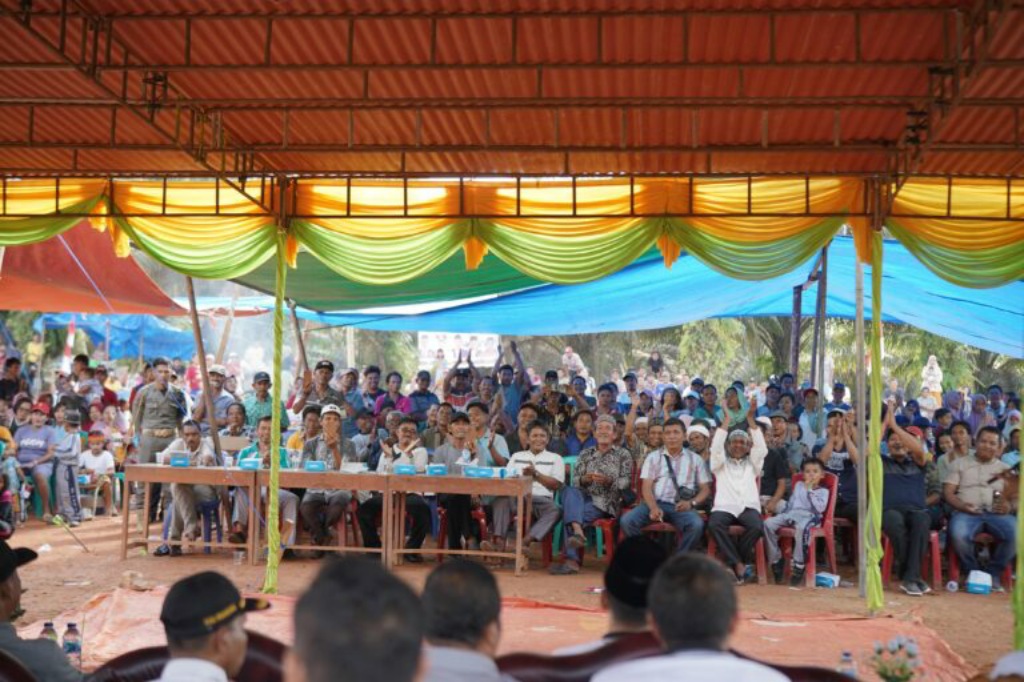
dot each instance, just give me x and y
(73, 646)
(48, 632)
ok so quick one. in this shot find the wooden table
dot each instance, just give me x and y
(335, 480)
(211, 476)
(520, 487)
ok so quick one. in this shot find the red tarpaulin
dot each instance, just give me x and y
(78, 272)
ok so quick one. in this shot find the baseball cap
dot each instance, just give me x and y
(260, 376)
(915, 431)
(692, 394)
(350, 370)
(331, 409)
(839, 386)
(836, 410)
(551, 374)
(632, 568)
(810, 389)
(218, 369)
(41, 407)
(12, 559)
(777, 414)
(325, 364)
(697, 381)
(202, 603)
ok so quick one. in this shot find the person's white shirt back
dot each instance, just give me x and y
(692, 666)
(100, 464)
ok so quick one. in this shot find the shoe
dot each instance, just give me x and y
(487, 546)
(237, 538)
(778, 571)
(162, 550)
(748, 574)
(925, 587)
(797, 577)
(47, 518)
(564, 568)
(75, 524)
(576, 541)
(414, 558)
(997, 586)
(911, 588)
(176, 551)
(288, 555)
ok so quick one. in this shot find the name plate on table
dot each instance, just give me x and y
(250, 464)
(315, 465)
(354, 467)
(437, 470)
(181, 461)
(405, 469)
(484, 472)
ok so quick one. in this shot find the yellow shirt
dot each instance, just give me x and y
(33, 351)
(296, 441)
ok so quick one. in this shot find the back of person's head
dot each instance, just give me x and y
(627, 579)
(692, 601)
(462, 606)
(356, 622)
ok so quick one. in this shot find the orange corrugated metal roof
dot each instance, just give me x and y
(504, 86)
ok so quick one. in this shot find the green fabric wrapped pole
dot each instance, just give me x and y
(273, 496)
(872, 525)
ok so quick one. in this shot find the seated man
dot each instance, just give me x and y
(310, 428)
(406, 451)
(601, 475)
(906, 520)
(462, 609)
(736, 493)
(775, 472)
(187, 497)
(805, 509)
(367, 439)
(458, 451)
(42, 657)
(204, 619)
(288, 501)
(981, 501)
(696, 648)
(322, 509)
(548, 472)
(98, 464)
(674, 482)
(626, 583)
(337, 641)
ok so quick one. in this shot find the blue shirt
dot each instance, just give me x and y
(903, 484)
(33, 443)
(573, 445)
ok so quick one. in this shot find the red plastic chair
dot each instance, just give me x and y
(979, 539)
(349, 521)
(477, 515)
(606, 527)
(826, 532)
(933, 560)
(759, 555)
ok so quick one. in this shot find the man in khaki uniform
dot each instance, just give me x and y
(157, 413)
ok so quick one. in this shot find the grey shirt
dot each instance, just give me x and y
(42, 657)
(447, 664)
(316, 449)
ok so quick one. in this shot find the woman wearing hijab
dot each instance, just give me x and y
(954, 402)
(736, 405)
(931, 375)
(979, 415)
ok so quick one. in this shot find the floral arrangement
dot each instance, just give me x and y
(897, 661)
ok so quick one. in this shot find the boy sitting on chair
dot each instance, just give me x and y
(804, 511)
(98, 464)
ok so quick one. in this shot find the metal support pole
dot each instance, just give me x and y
(794, 332)
(862, 478)
(822, 313)
(207, 394)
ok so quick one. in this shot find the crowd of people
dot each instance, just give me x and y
(639, 451)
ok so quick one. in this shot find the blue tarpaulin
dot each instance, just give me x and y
(646, 295)
(157, 337)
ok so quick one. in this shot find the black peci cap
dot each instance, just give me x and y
(200, 604)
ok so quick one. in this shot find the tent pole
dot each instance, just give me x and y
(862, 479)
(207, 394)
(350, 346)
(794, 332)
(822, 313)
(226, 334)
(108, 339)
(303, 360)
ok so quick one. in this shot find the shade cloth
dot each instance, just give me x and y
(130, 335)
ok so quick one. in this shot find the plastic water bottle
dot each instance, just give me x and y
(952, 586)
(847, 666)
(48, 632)
(73, 646)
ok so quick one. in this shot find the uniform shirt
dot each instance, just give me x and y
(546, 463)
(33, 443)
(100, 464)
(43, 657)
(256, 409)
(192, 670)
(616, 464)
(158, 409)
(693, 666)
(690, 470)
(736, 479)
(971, 477)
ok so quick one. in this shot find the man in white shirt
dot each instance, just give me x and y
(548, 472)
(406, 451)
(737, 499)
(696, 648)
(99, 465)
(204, 619)
(674, 482)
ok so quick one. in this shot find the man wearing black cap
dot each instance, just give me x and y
(838, 393)
(204, 618)
(316, 387)
(626, 582)
(43, 658)
(259, 404)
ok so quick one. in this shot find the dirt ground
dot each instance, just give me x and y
(979, 628)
